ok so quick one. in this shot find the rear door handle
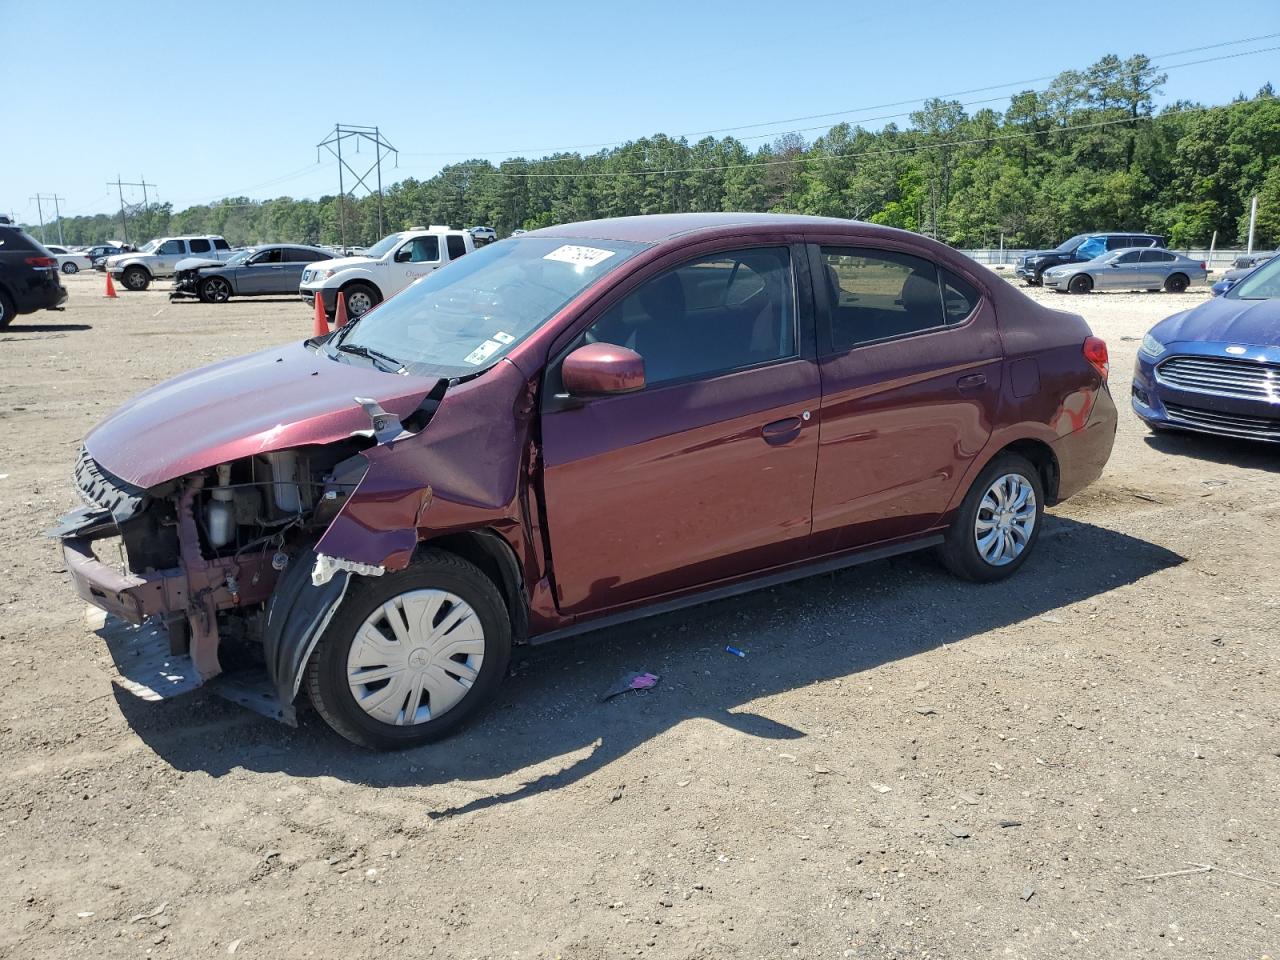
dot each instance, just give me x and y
(971, 382)
(781, 431)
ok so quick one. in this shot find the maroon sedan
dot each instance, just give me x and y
(573, 428)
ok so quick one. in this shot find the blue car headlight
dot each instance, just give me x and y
(1151, 346)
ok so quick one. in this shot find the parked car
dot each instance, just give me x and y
(1079, 249)
(1234, 276)
(1148, 268)
(387, 267)
(274, 268)
(519, 232)
(1216, 368)
(98, 254)
(69, 261)
(160, 257)
(28, 275)
(483, 235)
(588, 424)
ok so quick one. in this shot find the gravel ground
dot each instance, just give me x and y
(901, 766)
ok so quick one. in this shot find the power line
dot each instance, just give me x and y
(120, 185)
(39, 198)
(333, 143)
(879, 106)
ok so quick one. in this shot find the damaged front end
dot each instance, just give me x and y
(204, 558)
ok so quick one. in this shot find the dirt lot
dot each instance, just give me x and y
(901, 766)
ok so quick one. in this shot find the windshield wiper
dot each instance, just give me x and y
(390, 364)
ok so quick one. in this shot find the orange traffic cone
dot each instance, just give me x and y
(321, 328)
(111, 287)
(340, 314)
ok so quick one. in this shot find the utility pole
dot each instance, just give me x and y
(381, 148)
(57, 216)
(1253, 219)
(120, 185)
(40, 212)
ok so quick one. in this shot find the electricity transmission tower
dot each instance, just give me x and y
(381, 148)
(120, 185)
(38, 198)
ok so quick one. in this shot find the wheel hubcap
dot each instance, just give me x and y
(415, 657)
(359, 303)
(1006, 518)
(218, 290)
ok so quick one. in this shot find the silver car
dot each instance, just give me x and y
(1133, 268)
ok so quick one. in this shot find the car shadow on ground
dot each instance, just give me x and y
(549, 730)
(1229, 451)
(45, 327)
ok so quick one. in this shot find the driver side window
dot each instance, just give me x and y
(419, 250)
(267, 256)
(170, 247)
(708, 316)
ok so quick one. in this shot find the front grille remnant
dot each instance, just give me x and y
(1222, 377)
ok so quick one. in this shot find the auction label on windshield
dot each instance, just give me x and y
(482, 353)
(579, 256)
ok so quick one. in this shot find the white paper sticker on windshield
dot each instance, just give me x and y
(482, 353)
(579, 256)
(503, 337)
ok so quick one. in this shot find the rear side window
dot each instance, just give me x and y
(881, 294)
(456, 246)
(708, 316)
(220, 244)
(301, 255)
(200, 246)
(13, 239)
(1157, 256)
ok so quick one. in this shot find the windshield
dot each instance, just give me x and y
(1066, 246)
(1263, 283)
(464, 317)
(149, 246)
(382, 246)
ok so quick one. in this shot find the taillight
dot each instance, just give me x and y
(1095, 351)
(1202, 266)
(42, 262)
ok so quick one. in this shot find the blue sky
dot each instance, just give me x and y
(230, 98)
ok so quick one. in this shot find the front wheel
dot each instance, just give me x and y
(215, 290)
(361, 298)
(7, 312)
(1081, 283)
(1177, 283)
(409, 656)
(136, 278)
(998, 523)
(70, 267)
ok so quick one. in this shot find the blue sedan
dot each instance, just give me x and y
(1216, 368)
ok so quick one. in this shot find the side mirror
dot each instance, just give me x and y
(601, 369)
(403, 254)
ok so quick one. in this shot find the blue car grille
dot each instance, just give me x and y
(1242, 379)
(1230, 424)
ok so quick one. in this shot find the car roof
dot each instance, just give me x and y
(655, 228)
(1148, 249)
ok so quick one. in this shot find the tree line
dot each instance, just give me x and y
(1089, 152)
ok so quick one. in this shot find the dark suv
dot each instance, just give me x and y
(1078, 249)
(28, 275)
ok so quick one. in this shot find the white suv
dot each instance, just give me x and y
(159, 258)
(387, 267)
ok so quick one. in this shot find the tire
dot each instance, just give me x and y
(1081, 283)
(70, 267)
(7, 311)
(423, 671)
(1177, 283)
(215, 290)
(136, 278)
(1035, 281)
(364, 295)
(961, 554)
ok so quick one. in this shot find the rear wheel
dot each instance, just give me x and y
(1081, 283)
(361, 298)
(215, 290)
(998, 523)
(1177, 283)
(409, 656)
(70, 267)
(7, 312)
(136, 278)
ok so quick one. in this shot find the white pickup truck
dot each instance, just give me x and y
(160, 257)
(387, 267)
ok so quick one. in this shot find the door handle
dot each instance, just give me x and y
(781, 431)
(971, 382)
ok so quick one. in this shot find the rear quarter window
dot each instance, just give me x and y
(456, 245)
(11, 239)
(220, 244)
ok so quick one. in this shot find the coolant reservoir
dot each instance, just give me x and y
(220, 516)
(284, 477)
